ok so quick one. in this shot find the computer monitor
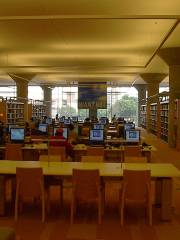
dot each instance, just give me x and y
(129, 126)
(67, 121)
(61, 119)
(74, 119)
(17, 134)
(99, 126)
(65, 132)
(49, 120)
(96, 135)
(103, 120)
(43, 127)
(133, 135)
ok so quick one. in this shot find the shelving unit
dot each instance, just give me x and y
(164, 109)
(154, 118)
(11, 111)
(143, 116)
(36, 109)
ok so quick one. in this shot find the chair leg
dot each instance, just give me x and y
(99, 212)
(61, 194)
(122, 214)
(72, 211)
(16, 206)
(150, 214)
(43, 208)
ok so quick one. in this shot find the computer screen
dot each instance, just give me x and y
(103, 120)
(65, 132)
(17, 134)
(99, 126)
(67, 121)
(133, 135)
(43, 128)
(96, 135)
(61, 119)
(129, 126)
(74, 119)
(49, 120)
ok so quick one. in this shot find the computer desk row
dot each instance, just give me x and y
(32, 151)
(162, 173)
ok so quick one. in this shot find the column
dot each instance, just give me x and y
(141, 88)
(48, 99)
(153, 80)
(172, 57)
(22, 81)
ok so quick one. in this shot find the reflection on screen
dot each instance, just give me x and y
(96, 135)
(43, 128)
(133, 135)
(17, 134)
(67, 121)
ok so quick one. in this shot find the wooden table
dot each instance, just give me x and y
(162, 172)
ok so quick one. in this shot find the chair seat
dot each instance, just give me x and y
(7, 233)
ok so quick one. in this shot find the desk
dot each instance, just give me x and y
(163, 173)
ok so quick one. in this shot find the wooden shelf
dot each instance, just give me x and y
(143, 116)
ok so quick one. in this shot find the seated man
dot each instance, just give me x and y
(59, 140)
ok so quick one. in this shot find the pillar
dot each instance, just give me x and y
(153, 80)
(22, 81)
(141, 88)
(48, 99)
(172, 57)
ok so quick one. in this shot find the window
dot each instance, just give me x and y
(64, 101)
(8, 91)
(122, 101)
(35, 93)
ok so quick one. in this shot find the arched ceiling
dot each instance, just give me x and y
(79, 41)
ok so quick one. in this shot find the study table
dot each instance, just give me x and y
(161, 172)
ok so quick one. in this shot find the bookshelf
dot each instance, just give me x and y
(164, 109)
(154, 118)
(143, 116)
(36, 109)
(11, 111)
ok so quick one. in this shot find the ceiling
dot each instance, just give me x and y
(56, 42)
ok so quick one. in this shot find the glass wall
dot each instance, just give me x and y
(122, 102)
(8, 91)
(65, 101)
(35, 93)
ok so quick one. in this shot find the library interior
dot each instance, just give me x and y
(89, 120)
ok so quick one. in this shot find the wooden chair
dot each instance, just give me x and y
(61, 151)
(52, 180)
(92, 158)
(86, 188)
(136, 191)
(14, 152)
(29, 184)
(135, 159)
(132, 151)
(95, 151)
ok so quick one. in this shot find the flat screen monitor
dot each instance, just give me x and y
(17, 134)
(74, 119)
(129, 126)
(96, 135)
(133, 135)
(43, 127)
(49, 121)
(99, 126)
(61, 119)
(65, 132)
(120, 119)
(103, 120)
(67, 121)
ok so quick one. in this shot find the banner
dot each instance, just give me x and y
(92, 95)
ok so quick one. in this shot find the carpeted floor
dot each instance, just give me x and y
(57, 225)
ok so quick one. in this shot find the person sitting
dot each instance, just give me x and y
(59, 140)
(73, 136)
